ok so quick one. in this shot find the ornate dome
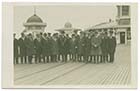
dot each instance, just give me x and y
(68, 25)
(34, 19)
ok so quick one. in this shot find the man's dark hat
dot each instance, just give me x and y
(29, 34)
(49, 33)
(45, 34)
(73, 34)
(62, 32)
(110, 31)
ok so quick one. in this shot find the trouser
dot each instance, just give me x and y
(54, 58)
(23, 59)
(16, 60)
(74, 57)
(64, 58)
(46, 58)
(104, 58)
(59, 57)
(90, 58)
(38, 58)
(80, 58)
(30, 59)
(71, 56)
(86, 57)
(96, 58)
(111, 55)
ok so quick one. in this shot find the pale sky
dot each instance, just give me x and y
(81, 16)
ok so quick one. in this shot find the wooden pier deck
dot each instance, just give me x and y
(118, 73)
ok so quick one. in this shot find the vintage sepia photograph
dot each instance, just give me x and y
(73, 45)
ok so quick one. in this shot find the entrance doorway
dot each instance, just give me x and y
(122, 37)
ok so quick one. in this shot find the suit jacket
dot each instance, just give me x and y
(81, 45)
(87, 45)
(96, 45)
(15, 47)
(62, 44)
(67, 45)
(30, 47)
(22, 46)
(73, 46)
(55, 49)
(38, 46)
(104, 45)
(112, 44)
(49, 45)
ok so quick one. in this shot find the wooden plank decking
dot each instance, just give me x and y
(118, 73)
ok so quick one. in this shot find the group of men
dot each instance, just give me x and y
(46, 47)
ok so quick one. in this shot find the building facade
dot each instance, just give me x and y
(68, 29)
(34, 25)
(121, 26)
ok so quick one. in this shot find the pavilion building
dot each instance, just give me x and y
(34, 25)
(68, 29)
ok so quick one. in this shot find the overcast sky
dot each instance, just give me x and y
(81, 16)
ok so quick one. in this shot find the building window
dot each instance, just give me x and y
(125, 10)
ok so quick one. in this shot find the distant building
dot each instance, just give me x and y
(124, 23)
(34, 25)
(121, 27)
(68, 29)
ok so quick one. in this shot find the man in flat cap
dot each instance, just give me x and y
(62, 48)
(104, 47)
(38, 48)
(111, 46)
(95, 47)
(49, 47)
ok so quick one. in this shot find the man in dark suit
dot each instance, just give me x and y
(62, 43)
(30, 47)
(22, 46)
(49, 48)
(54, 47)
(111, 46)
(104, 47)
(15, 50)
(95, 49)
(81, 47)
(38, 47)
(77, 37)
(44, 43)
(67, 47)
(73, 48)
(87, 48)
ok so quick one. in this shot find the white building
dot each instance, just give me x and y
(121, 26)
(34, 25)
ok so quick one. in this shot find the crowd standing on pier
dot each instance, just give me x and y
(92, 47)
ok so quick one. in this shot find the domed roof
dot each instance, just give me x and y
(34, 19)
(68, 25)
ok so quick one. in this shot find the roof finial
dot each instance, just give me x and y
(34, 10)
